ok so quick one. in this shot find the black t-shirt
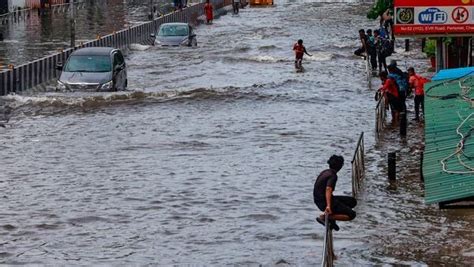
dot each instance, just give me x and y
(326, 178)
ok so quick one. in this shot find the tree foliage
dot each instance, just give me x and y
(378, 8)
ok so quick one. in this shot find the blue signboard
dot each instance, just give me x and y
(433, 15)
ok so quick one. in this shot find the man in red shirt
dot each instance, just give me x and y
(417, 82)
(389, 90)
(300, 50)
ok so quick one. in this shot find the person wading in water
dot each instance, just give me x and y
(338, 208)
(209, 11)
(300, 50)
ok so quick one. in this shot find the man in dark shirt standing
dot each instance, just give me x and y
(362, 51)
(337, 207)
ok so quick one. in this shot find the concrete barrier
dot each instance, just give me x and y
(23, 77)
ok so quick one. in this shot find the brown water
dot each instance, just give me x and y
(211, 156)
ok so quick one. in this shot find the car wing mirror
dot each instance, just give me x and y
(59, 66)
(152, 35)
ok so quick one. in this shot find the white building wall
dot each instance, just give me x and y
(14, 4)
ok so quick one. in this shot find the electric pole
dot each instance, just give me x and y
(72, 22)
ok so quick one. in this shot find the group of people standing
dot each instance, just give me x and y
(378, 44)
(397, 86)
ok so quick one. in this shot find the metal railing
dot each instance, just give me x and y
(358, 165)
(15, 16)
(328, 251)
(380, 116)
(23, 77)
(368, 70)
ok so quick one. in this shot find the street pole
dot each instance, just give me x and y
(439, 54)
(72, 22)
(151, 10)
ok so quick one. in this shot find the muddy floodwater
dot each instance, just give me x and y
(211, 156)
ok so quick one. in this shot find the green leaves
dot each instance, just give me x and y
(379, 7)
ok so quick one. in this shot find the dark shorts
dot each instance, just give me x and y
(395, 103)
(340, 205)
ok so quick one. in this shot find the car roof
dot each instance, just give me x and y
(174, 23)
(94, 51)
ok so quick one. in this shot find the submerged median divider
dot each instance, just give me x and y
(27, 76)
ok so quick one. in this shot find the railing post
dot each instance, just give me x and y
(328, 250)
(403, 123)
(9, 86)
(422, 178)
(357, 163)
(392, 167)
(3, 86)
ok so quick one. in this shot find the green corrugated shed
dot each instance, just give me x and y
(445, 111)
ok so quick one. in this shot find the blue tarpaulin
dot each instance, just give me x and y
(453, 73)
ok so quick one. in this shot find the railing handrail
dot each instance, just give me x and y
(369, 71)
(380, 115)
(12, 13)
(328, 250)
(361, 137)
(358, 165)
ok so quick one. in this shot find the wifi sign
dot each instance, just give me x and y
(432, 16)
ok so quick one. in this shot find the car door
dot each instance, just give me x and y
(120, 76)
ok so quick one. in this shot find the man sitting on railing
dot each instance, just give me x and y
(338, 208)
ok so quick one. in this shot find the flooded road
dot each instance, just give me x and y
(210, 159)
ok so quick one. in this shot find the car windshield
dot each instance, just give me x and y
(173, 30)
(88, 64)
